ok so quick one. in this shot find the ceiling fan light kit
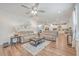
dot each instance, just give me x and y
(34, 9)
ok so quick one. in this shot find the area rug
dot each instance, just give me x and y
(35, 50)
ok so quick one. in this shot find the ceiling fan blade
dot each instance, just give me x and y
(41, 11)
(36, 4)
(25, 6)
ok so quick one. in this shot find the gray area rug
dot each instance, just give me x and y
(35, 50)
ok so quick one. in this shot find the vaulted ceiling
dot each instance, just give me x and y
(54, 12)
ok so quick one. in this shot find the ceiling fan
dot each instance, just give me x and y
(33, 10)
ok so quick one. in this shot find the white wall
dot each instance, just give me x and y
(7, 21)
(4, 27)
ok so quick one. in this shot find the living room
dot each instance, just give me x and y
(37, 29)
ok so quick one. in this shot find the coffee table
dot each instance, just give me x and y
(35, 42)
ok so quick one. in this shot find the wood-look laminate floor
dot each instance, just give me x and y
(58, 48)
